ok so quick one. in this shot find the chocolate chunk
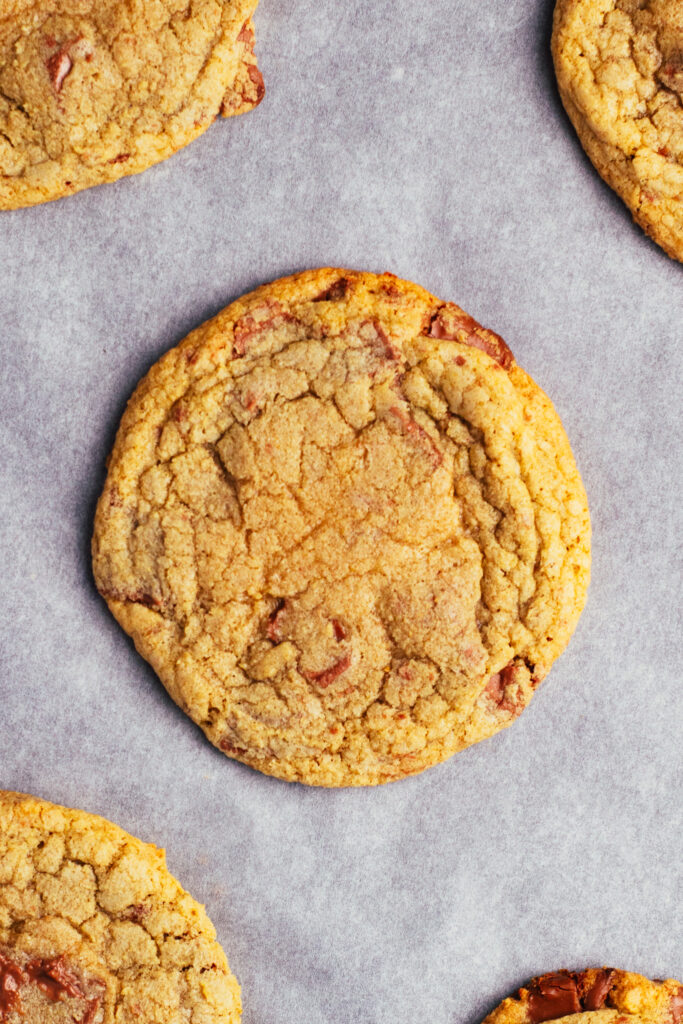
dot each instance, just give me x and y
(230, 748)
(677, 1006)
(502, 691)
(11, 980)
(372, 332)
(593, 998)
(328, 675)
(137, 912)
(59, 66)
(274, 625)
(495, 688)
(335, 292)
(91, 1011)
(140, 597)
(265, 317)
(553, 996)
(246, 34)
(54, 978)
(452, 324)
(417, 435)
(339, 629)
(256, 80)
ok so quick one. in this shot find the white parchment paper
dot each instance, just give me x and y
(425, 139)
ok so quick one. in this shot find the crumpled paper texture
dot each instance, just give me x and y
(427, 140)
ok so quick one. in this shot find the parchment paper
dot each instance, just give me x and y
(425, 139)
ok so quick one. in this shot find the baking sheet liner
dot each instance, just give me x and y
(427, 140)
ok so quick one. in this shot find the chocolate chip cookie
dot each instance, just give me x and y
(92, 90)
(594, 996)
(93, 928)
(345, 528)
(619, 66)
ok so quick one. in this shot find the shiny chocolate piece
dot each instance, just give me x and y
(553, 996)
(453, 324)
(497, 689)
(593, 998)
(335, 292)
(11, 979)
(55, 978)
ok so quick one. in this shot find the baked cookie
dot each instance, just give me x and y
(92, 90)
(595, 996)
(619, 66)
(345, 528)
(93, 929)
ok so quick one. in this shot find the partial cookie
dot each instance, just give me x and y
(345, 528)
(248, 89)
(595, 996)
(619, 66)
(94, 929)
(92, 90)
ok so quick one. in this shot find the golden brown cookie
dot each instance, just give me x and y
(345, 528)
(247, 90)
(94, 929)
(619, 66)
(92, 90)
(594, 996)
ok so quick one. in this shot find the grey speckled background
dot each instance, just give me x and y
(426, 139)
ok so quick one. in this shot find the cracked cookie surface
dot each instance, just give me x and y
(619, 66)
(594, 996)
(93, 90)
(93, 928)
(345, 528)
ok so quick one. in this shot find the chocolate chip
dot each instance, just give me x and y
(328, 675)
(140, 597)
(340, 632)
(553, 996)
(246, 34)
(256, 80)
(374, 335)
(273, 626)
(55, 978)
(59, 66)
(265, 317)
(452, 324)
(229, 748)
(335, 292)
(677, 1006)
(502, 691)
(593, 998)
(11, 980)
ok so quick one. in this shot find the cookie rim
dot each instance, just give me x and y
(25, 812)
(593, 988)
(605, 158)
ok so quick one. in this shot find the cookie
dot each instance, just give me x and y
(92, 90)
(93, 928)
(593, 996)
(619, 66)
(345, 528)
